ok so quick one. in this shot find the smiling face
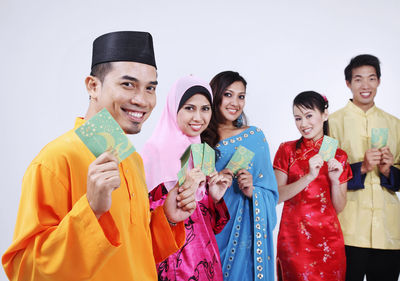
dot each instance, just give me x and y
(127, 92)
(363, 85)
(309, 122)
(233, 101)
(194, 116)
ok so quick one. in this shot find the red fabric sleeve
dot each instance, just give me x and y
(341, 156)
(281, 160)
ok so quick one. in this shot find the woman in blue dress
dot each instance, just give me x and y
(246, 242)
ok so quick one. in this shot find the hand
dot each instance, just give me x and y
(335, 169)
(103, 178)
(181, 203)
(315, 163)
(218, 184)
(372, 157)
(173, 212)
(386, 161)
(245, 181)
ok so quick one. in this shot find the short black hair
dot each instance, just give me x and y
(362, 60)
(101, 70)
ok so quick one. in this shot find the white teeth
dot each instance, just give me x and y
(365, 94)
(232, 110)
(136, 114)
(306, 130)
(195, 127)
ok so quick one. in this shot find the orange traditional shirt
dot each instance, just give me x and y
(57, 235)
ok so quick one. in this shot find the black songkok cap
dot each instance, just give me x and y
(124, 46)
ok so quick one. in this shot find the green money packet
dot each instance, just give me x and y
(201, 155)
(379, 137)
(102, 132)
(328, 148)
(208, 165)
(240, 159)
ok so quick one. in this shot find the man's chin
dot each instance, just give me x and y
(133, 130)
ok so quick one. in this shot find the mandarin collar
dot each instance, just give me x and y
(79, 121)
(310, 143)
(358, 110)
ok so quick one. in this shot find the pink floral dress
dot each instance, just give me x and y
(199, 258)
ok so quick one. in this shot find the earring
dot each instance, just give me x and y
(239, 121)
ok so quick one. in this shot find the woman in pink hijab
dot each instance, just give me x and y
(186, 115)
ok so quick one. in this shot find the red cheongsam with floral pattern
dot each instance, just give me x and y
(310, 240)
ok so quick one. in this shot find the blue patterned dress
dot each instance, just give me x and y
(246, 242)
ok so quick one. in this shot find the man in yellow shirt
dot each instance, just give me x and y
(82, 218)
(371, 218)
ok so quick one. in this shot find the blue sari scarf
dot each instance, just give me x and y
(246, 242)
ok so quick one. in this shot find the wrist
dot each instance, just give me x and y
(385, 172)
(335, 182)
(171, 223)
(309, 178)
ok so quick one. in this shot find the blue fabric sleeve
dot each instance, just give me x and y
(357, 182)
(393, 181)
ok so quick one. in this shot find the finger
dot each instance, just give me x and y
(186, 201)
(186, 193)
(106, 156)
(189, 207)
(214, 180)
(241, 172)
(106, 167)
(227, 172)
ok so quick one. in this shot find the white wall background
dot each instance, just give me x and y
(280, 47)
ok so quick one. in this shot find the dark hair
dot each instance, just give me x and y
(362, 60)
(315, 101)
(101, 70)
(218, 84)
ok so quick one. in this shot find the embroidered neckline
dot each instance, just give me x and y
(239, 137)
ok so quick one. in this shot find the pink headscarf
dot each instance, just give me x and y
(162, 152)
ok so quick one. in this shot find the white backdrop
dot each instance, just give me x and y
(280, 47)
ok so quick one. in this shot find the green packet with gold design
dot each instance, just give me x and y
(379, 137)
(199, 155)
(328, 148)
(240, 159)
(102, 132)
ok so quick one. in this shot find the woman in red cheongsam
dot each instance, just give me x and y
(310, 240)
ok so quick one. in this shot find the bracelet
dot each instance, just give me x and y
(171, 223)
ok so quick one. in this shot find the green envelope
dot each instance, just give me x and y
(379, 137)
(197, 150)
(202, 155)
(182, 174)
(328, 148)
(102, 132)
(208, 165)
(240, 159)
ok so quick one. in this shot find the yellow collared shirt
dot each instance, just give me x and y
(371, 218)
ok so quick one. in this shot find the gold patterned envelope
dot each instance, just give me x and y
(328, 148)
(240, 159)
(379, 137)
(208, 165)
(199, 155)
(102, 132)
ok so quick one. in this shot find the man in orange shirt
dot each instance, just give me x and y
(82, 218)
